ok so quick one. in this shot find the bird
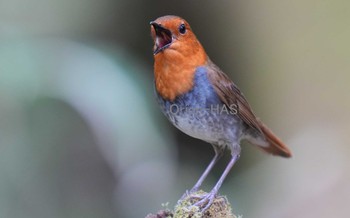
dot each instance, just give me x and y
(200, 100)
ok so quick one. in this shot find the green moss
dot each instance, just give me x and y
(185, 208)
(220, 208)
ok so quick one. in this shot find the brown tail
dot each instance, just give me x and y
(276, 146)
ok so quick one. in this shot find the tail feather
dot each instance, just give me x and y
(275, 145)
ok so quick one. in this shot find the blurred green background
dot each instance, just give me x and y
(81, 134)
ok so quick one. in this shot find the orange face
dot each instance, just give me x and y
(172, 33)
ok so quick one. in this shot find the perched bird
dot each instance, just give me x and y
(202, 101)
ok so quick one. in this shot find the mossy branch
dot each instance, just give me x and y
(184, 208)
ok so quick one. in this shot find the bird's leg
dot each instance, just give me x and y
(206, 202)
(219, 151)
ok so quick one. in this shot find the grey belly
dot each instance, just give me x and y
(213, 127)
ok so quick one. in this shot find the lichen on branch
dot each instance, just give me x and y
(185, 208)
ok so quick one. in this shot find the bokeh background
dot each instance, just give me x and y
(81, 134)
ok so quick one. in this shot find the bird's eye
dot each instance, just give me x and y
(182, 29)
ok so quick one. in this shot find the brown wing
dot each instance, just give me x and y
(229, 94)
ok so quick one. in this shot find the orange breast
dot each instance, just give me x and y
(174, 70)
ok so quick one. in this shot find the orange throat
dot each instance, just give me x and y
(174, 71)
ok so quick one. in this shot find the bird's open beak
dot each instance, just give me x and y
(163, 37)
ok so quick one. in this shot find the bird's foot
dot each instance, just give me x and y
(203, 204)
(189, 193)
(205, 201)
(185, 195)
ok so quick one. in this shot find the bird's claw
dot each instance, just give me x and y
(189, 193)
(185, 195)
(206, 201)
